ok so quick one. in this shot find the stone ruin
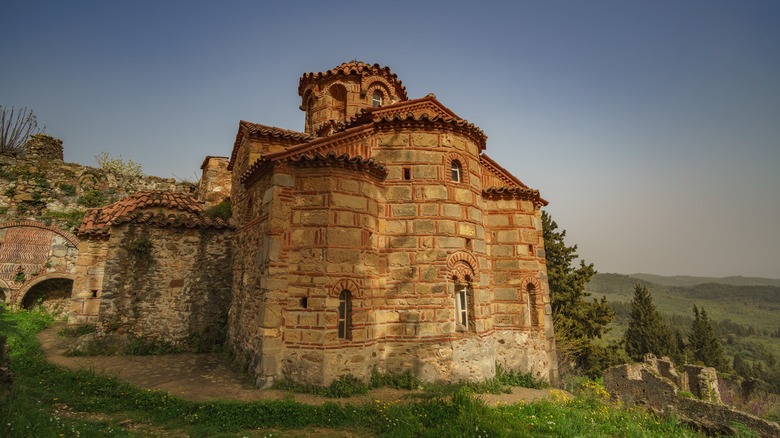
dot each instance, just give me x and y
(692, 395)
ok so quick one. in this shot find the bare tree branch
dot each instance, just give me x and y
(16, 127)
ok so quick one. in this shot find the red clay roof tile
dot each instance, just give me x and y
(135, 209)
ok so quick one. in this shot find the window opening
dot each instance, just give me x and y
(94, 293)
(305, 302)
(376, 99)
(345, 315)
(456, 171)
(532, 305)
(462, 306)
(407, 173)
(531, 250)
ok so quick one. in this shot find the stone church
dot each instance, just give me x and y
(382, 236)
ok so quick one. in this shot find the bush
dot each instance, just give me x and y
(405, 380)
(221, 210)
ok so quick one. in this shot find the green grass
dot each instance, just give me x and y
(50, 401)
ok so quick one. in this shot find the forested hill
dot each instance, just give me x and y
(687, 280)
(754, 305)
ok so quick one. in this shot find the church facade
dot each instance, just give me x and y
(383, 237)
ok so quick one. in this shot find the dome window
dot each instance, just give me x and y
(377, 99)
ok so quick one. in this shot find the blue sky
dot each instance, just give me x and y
(653, 128)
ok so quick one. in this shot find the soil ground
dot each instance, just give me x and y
(202, 377)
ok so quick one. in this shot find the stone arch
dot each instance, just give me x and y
(24, 292)
(67, 236)
(346, 284)
(530, 280)
(462, 263)
(87, 180)
(369, 83)
(381, 88)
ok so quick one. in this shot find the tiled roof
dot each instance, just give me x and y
(331, 159)
(264, 131)
(136, 209)
(515, 193)
(358, 68)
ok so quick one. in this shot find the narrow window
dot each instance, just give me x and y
(407, 173)
(345, 315)
(94, 293)
(339, 95)
(376, 99)
(462, 306)
(456, 169)
(309, 114)
(532, 306)
(531, 250)
(304, 302)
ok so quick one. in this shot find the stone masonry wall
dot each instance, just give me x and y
(174, 289)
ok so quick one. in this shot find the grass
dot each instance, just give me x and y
(50, 401)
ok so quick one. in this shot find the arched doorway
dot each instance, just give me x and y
(54, 294)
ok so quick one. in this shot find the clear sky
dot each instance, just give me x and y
(653, 128)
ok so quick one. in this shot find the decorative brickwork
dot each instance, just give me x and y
(32, 252)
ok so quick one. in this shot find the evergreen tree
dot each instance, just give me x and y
(577, 320)
(704, 345)
(647, 332)
(742, 367)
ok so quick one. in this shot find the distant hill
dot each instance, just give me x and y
(687, 280)
(753, 305)
(745, 312)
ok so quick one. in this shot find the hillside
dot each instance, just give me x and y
(755, 306)
(744, 316)
(687, 280)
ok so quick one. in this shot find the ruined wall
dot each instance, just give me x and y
(215, 181)
(656, 385)
(168, 283)
(42, 187)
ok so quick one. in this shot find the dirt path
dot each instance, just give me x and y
(202, 377)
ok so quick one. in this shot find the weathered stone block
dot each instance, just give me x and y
(349, 201)
(425, 139)
(404, 210)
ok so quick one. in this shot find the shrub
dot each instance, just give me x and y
(141, 247)
(92, 198)
(77, 330)
(405, 380)
(221, 210)
(117, 165)
(67, 189)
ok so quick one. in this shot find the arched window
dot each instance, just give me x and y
(309, 113)
(464, 307)
(339, 95)
(456, 171)
(531, 290)
(345, 315)
(377, 99)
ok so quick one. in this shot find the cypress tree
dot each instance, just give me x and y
(577, 319)
(705, 346)
(647, 333)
